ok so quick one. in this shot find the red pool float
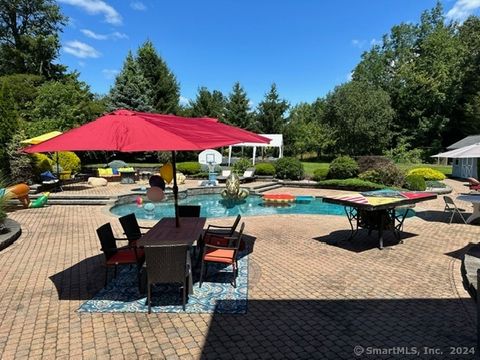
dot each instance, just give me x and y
(278, 198)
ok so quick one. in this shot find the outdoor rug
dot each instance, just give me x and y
(217, 294)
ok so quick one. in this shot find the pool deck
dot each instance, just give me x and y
(307, 299)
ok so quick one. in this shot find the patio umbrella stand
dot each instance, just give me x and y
(131, 131)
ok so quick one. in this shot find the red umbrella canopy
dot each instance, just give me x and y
(127, 131)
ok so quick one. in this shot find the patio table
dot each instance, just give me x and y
(376, 210)
(165, 232)
(475, 200)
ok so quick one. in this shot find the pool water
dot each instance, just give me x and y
(214, 206)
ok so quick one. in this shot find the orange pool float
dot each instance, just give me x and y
(19, 191)
(278, 198)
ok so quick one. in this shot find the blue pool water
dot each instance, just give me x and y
(213, 205)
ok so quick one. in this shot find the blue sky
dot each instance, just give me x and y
(306, 47)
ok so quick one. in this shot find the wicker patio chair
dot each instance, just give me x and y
(131, 229)
(167, 264)
(223, 255)
(450, 206)
(216, 234)
(189, 210)
(114, 256)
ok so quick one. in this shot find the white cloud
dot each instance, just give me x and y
(374, 42)
(95, 7)
(81, 63)
(93, 35)
(81, 50)
(358, 43)
(349, 76)
(184, 101)
(110, 73)
(138, 5)
(462, 9)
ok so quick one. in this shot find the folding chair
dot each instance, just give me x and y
(452, 207)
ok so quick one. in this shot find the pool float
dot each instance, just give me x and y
(19, 191)
(139, 201)
(40, 202)
(167, 172)
(278, 199)
(155, 194)
(304, 199)
(232, 190)
(157, 181)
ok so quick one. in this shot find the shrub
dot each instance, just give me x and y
(265, 169)
(389, 175)
(289, 168)
(343, 167)
(366, 163)
(415, 183)
(41, 163)
(427, 173)
(241, 165)
(189, 167)
(21, 169)
(68, 161)
(320, 174)
(350, 184)
(435, 184)
(3, 200)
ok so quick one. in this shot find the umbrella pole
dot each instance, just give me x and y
(175, 188)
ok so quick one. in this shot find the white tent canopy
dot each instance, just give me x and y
(470, 151)
(276, 141)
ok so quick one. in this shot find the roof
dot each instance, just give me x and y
(277, 141)
(469, 140)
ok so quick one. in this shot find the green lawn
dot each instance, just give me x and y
(310, 167)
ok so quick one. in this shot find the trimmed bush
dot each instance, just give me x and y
(435, 184)
(289, 168)
(343, 167)
(389, 175)
(41, 163)
(189, 167)
(320, 174)
(350, 184)
(241, 165)
(265, 169)
(366, 163)
(68, 161)
(415, 183)
(427, 173)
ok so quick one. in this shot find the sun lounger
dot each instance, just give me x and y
(248, 175)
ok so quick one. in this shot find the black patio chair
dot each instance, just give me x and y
(167, 264)
(131, 229)
(223, 254)
(189, 210)
(114, 256)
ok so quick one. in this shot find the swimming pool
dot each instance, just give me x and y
(214, 206)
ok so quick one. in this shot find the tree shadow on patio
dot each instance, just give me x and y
(362, 241)
(345, 329)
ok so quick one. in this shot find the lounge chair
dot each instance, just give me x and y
(248, 175)
(224, 175)
(473, 184)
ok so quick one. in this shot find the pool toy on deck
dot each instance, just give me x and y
(19, 191)
(40, 202)
(278, 199)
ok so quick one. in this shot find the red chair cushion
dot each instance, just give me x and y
(219, 255)
(125, 256)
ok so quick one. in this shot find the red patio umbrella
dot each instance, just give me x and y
(129, 131)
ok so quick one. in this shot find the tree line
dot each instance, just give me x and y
(410, 96)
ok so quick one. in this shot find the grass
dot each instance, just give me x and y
(310, 167)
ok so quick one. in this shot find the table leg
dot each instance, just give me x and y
(380, 232)
(352, 215)
(475, 214)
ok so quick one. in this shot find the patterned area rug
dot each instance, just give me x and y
(217, 294)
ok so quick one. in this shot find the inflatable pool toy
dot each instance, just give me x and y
(167, 172)
(40, 202)
(232, 189)
(139, 201)
(157, 181)
(155, 194)
(275, 199)
(304, 199)
(19, 191)
(149, 210)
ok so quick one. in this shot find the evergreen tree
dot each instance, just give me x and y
(8, 125)
(21, 164)
(208, 104)
(271, 113)
(131, 89)
(165, 91)
(29, 39)
(237, 108)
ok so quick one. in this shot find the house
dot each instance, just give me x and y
(465, 167)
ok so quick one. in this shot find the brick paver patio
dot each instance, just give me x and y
(307, 299)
